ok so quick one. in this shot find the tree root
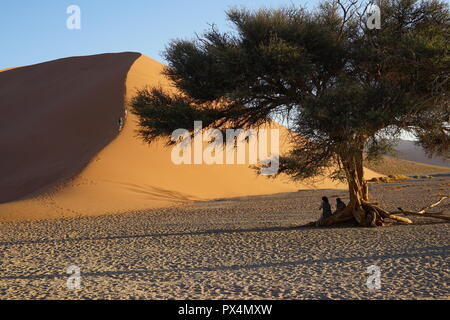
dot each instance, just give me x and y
(433, 205)
(423, 212)
(370, 215)
(337, 218)
(391, 216)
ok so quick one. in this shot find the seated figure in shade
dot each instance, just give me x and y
(326, 208)
(340, 205)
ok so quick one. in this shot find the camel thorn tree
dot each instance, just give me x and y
(346, 90)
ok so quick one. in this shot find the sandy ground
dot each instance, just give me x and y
(240, 248)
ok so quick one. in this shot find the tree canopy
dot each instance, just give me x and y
(344, 88)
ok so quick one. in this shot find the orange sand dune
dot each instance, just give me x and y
(8, 69)
(62, 155)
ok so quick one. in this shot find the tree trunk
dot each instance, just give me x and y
(363, 213)
(359, 208)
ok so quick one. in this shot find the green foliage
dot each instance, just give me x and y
(343, 88)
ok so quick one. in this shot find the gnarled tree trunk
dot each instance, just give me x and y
(353, 167)
(359, 208)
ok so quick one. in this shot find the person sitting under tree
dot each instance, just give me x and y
(340, 205)
(326, 208)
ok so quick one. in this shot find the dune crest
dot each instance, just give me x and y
(60, 118)
(55, 117)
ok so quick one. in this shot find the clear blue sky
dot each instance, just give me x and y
(33, 31)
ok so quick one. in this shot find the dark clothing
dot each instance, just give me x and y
(326, 210)
(340, 206)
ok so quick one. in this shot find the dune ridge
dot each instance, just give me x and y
(55, 117)
(84, 167)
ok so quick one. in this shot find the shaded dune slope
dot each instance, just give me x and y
(73, 126)
(55, 117)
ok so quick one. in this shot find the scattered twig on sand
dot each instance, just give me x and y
(424, 213)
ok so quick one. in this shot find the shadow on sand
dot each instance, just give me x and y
(421, 253)
(158, 235)
(349, 225)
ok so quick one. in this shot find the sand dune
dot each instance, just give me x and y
(391, 165)
(8, 69)
(55, 117)
(408, 150)
(59, 130)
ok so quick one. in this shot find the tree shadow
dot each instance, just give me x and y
(157, 235)
(347, 225)
(420, 253)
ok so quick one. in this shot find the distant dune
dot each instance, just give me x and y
(64, 157)
(410, 160)
(408, 150)
(394, 166)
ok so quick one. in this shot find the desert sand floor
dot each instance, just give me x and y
(240, 248)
